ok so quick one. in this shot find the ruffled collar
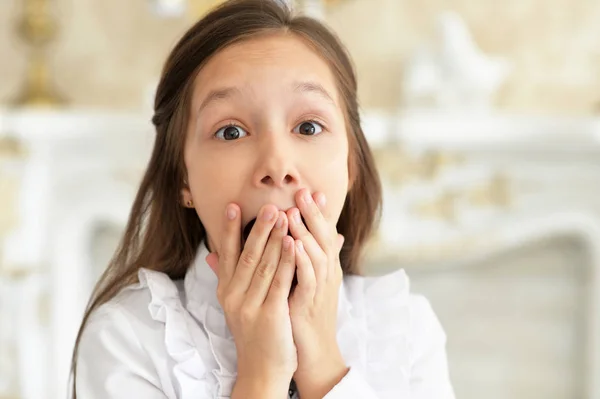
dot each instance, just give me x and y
(200, 343)
(201, 282)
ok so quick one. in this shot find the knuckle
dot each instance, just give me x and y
(264, 269)
(287, 259)
(247, 258)
(246, 314)
(230, 304)
(277, 284)
(310, 285)
(314, 211)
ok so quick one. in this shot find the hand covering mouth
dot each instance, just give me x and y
(246, 232)
(248, 228)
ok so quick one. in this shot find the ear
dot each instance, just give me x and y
(186, 194)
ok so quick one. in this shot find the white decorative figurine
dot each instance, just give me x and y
(455, 73)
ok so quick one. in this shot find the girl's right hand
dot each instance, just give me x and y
(253, 291)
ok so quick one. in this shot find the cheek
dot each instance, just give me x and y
(209, 204)
(332, 179)
(213, 183)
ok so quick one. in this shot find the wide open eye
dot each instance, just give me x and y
(309, 128)
(230, 132)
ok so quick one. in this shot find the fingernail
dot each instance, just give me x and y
(321, 200)
(296, 216)
(300, 246)
(231, 212)
(280, 221)
(307, 197)
(287, 243)
(268, 214)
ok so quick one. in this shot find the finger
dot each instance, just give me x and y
(254, 248)
(263, 276)
(315, 220)
(341, 240)
(307, 282)
(281, 285)
(321, 202)
(213, 261)
(230, 244)
(336, 271)
(316, 253)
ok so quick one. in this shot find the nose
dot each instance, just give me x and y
(276, 163)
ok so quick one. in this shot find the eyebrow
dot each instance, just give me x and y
(228, 92)
(313, 87)
(217, 95)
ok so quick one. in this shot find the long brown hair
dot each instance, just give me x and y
(163, 235)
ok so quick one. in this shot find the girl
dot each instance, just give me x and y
(238, 274)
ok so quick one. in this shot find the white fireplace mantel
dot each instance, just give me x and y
(81, 169)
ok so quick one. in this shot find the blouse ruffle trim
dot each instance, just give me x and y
(190, 371)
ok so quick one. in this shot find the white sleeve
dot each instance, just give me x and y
(353, 385)
(429, 365)
(429, 377)
(111, 363)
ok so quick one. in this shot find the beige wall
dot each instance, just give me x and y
(106, 55)
(110, 51)
(554, 44)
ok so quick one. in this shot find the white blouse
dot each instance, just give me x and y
(168, 339)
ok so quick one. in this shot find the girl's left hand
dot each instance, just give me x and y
(314, 302)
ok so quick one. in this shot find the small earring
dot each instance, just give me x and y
(190, 204)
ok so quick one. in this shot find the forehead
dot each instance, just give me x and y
(259, 60)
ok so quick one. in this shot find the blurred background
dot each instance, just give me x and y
(484, 117)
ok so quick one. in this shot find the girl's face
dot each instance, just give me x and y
(266, 121)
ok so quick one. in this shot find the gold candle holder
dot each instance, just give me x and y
(37, 29)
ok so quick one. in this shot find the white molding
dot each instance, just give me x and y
(515, 236)
(483, 130)
(110, 202)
